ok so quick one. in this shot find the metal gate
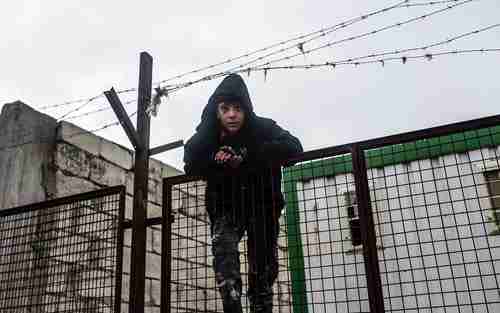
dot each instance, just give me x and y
(405, 223)
(63, 255)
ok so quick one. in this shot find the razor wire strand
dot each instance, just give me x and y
(103, 109)
(363, 35)
(400, 51)
(322, 32)
(238, 69)
(403, 59)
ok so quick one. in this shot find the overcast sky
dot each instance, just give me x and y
(56, 51)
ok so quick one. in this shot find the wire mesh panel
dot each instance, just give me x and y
(193, 286)
(152, 283)
(324, 238)
(198, 279)
(320, 265)
(62, 255)
(436, 210)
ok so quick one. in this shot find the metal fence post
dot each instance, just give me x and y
(166, 248)
(368, 235)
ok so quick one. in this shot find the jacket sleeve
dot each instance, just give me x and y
(198, 158)
(279, 143)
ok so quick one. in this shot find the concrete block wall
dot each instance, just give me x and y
(41, 159)
(26, 144)
(86, 162)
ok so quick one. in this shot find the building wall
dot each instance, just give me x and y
(27, 140)
(437, 242)
(41, 159)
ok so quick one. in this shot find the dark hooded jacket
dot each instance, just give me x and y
(257, 181)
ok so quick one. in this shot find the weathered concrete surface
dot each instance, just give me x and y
(42, 159)
(26, 143)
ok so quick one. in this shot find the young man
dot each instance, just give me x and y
(238, 153)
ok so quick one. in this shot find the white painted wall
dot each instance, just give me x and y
(433, 226)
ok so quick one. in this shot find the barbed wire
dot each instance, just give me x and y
(399, 51)
(382, 61)
(322, 32)
(401, 4)
(71, 102)
(107, 108)
(79, 107)
(428, 3)
(363, 35)
(241, 68)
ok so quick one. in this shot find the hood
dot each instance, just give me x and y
(231, 88)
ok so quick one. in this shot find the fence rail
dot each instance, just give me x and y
(404, 223)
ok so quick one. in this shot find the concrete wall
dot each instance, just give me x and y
(41, 159)
(27, 140)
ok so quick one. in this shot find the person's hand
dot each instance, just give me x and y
(221, 157)
(227, 156)
(235, 161)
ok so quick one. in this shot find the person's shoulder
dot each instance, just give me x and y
(197, 140)
(265, 127)
(264, 122)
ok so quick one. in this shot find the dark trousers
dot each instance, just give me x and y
(262, 229)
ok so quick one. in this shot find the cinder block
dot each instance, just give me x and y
(155, 169)
(129, 206)
(154, 210)
(169, 171)
(125, 287)
(156, 240)
(116, 154)
(155, 292)
(129, 182)
(79, 137)
(153, 265)
(68, 185)
(72, 160)
(105, 173)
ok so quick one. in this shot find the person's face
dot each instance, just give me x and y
(231, 116)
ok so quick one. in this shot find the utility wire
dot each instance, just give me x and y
(240, 68)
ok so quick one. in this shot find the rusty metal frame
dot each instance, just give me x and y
(358, 150)
(109, 191)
